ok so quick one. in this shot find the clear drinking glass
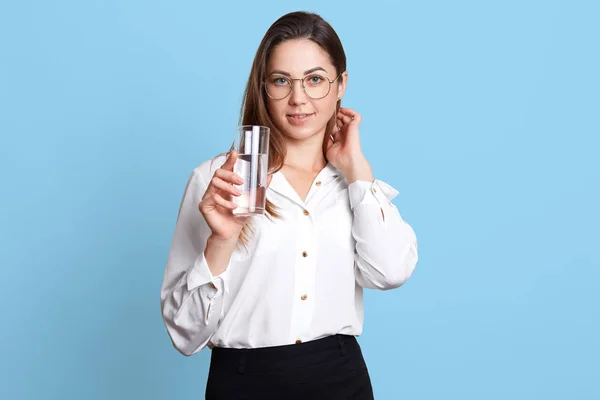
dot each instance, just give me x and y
(252, 145)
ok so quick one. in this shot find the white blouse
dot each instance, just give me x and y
(300, 278)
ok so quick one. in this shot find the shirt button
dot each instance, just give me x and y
(374, 190)
(318, 183)
(298, 341)
(306, 212)
(304, 254)
(304, 297)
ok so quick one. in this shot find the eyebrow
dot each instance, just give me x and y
(277, 71)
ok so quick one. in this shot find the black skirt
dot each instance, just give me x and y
(330, 368)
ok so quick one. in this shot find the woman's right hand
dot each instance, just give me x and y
(216, 205)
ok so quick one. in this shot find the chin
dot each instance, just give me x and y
(297, 133)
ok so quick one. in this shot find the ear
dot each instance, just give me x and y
(342, 82)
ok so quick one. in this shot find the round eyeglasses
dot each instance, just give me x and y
(315, 86)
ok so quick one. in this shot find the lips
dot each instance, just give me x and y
(299, 119)
(299, 116)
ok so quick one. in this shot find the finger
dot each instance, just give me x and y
(356, 117)
(229, 176)
(336, 128)
(347, 114)
(336, 136)
(217, 199)
(348, 111)
(226, 176)
(345, 119)
(230, 162)
(337, 132)
(224, 186)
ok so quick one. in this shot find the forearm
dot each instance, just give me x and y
(358, 169)
(218, 254)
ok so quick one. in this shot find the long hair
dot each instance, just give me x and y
(295, 25)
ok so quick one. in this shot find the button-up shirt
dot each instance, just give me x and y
(300, 277)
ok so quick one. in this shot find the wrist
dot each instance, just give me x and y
(218, 253)
(220, 242)
(358, 170)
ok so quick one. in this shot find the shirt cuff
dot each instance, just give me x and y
(376, 192)
(200, 276)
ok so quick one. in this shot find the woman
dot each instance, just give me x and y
(279, 298)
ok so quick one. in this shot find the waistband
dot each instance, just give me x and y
(285, 357)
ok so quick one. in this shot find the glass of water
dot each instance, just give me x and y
(252, 145)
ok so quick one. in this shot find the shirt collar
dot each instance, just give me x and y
(280, 185)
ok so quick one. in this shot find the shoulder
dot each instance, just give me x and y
(206, 169)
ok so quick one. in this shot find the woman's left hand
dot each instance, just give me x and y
(343, 151)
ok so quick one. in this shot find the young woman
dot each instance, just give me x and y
(279, 298)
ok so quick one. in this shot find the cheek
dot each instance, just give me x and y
(275, 108)
(327, 108)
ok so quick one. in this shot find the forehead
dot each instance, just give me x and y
(297, 56)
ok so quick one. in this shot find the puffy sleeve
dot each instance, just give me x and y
(191, 297)
(386, 246)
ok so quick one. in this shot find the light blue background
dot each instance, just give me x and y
(485, 116)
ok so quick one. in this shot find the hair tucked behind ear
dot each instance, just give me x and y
(296, 25)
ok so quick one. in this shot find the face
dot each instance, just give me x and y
(298, 115)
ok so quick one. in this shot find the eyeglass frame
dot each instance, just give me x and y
(264, 83)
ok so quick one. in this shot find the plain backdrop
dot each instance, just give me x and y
(484, 115)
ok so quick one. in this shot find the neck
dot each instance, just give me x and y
(306, 154)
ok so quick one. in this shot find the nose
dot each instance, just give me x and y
(297, 96)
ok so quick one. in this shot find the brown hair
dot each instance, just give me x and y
(295, 25)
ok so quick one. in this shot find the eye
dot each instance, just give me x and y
(314, 80)
(279, 81)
